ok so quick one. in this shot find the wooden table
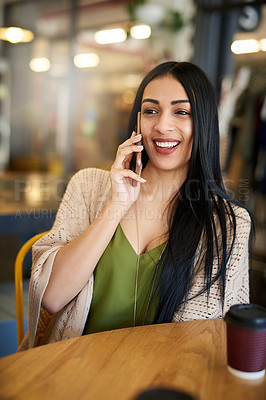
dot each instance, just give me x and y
(114, 365)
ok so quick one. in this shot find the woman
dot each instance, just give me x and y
(168, 245)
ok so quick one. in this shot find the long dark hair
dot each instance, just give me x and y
(201, 209)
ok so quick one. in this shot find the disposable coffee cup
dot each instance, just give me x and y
(246, 340)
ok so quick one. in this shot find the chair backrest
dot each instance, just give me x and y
(19, 284)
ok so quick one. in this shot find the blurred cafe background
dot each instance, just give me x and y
(69, 70)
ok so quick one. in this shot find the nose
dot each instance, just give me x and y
(164, 123)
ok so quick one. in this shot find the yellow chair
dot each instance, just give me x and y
(19, 284)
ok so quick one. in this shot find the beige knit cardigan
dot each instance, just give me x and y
(86, 194)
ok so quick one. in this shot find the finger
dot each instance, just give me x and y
(137, 138)
(123, 154)
(133, 139)
(136, 148)
(117, 174)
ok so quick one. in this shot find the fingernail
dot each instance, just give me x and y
(143, 180)
(140, 147)
(137, 136)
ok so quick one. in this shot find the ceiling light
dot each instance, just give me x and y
(40, 64)
(86, 60)
(108, 36)
(245, 46)
(16, 35)
(263, 44)
(140, 31)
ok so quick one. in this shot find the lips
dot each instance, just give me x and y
(165, 146)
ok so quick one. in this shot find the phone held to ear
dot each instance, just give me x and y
(135, 164)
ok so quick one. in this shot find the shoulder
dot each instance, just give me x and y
(237, 220)
(87, 185)
(242, 216)
(90, 180)
(94, 186)
(241, 213)
(243, 221)
(91, 175)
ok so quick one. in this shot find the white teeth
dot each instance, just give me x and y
(166, 144)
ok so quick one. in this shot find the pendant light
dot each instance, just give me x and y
(14, 34)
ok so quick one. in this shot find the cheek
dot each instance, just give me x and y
(189, 134)
(188, 129)
(190, 145)
(144, 125)
(189, 139)
(145, 132)
(190, 142)
(145, 142)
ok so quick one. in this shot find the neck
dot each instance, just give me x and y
(161, 185)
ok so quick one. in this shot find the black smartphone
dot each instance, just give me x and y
(135, 164)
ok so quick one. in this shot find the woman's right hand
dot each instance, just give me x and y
(124, 193)
(84, 251)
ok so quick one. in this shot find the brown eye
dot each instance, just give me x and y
(149, 111)
(183, 112)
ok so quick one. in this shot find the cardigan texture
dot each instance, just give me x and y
(86, 194)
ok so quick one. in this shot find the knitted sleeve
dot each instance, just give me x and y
(237, 285)
(237, 279)
(84, 198)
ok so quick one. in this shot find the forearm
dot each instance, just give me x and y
(75, 262)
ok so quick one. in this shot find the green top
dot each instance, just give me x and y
(112, 304)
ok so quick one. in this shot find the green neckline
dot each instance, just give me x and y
(154, 249)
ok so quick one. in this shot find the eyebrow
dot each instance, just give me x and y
(172, 102)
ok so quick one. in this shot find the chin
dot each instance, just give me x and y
(166, 166)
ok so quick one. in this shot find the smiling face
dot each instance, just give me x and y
(166, 125)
